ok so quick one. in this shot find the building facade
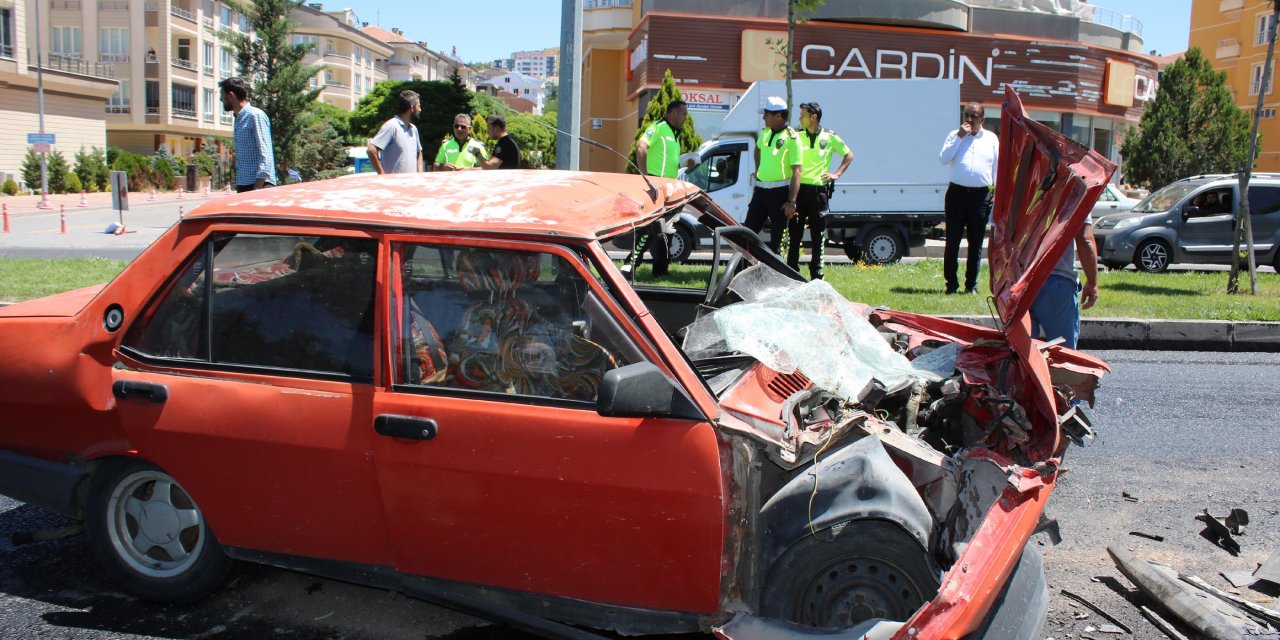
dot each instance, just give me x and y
(75, 89)
(1082, 74)
(1232, 34)
(536, 64)
(350, 56)
(512, 86)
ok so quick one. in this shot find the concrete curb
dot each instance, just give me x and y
(1171, 335)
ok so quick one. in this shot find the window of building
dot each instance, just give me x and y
(65, 41)
(184, 101)
(208, 59)
(313, 42)
(113, 44)
(153, 97)
(1255, 79)
(305, 305)
(119, 101)
(225, 64)
(6, 33)
(1262, 28)
(206, 106)
(244, 24)
(224, 16)
(1103, 136)
(184, 49)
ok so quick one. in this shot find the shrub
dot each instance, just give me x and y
(31, 170)
(137, 167)
(10, 188)
(56, 166)
(73, 183)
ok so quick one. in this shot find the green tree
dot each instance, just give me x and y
(1193, 126)
(441, 101)
(274, 63)
(31, 170)
(797, 12)
(321, 148)
(531, 132)
(657, 109)
(57, 168)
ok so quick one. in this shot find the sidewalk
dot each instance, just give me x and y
(31, 204)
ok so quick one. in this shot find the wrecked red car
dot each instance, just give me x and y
(441, 384)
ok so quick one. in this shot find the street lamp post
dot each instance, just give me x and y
(44, 167)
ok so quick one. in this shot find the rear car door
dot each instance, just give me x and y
(249, 379)
(494, 466)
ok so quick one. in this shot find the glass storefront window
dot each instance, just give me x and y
(1081, 130)
(1103, 136)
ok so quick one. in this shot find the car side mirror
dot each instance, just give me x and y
(641, 390)
(1190, 210)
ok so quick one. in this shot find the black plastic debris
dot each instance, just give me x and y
(1221, 530)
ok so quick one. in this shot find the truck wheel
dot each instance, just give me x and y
(680, 244)
(149, 535)
(869, 569)
(1152, 256)
(851, 249)
(883, 245)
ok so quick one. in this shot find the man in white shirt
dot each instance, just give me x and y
(972, 153)
(396, 148)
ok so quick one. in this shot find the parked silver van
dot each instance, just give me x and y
(1191, 221)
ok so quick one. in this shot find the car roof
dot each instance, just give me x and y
(541, 202)
(1218, 177)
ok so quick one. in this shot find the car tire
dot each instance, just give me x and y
(680, 244)
(149, 535)
(866, 569)
(1152, 256)
(883, 245)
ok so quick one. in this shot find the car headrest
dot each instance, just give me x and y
(500, 272)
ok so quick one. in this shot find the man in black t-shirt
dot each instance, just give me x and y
(506, 155)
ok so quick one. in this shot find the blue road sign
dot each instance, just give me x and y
(41, 138)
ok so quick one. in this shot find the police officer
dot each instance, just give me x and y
(461, 152)
(817, 147)
(658, 154)
(778, 165)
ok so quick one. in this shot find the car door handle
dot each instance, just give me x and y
(125, 389)
(405, 427)
(738, 195)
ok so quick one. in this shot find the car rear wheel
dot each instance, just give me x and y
(867, 569)
(150, 536)
(1152, 256)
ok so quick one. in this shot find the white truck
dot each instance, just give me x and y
(890, 199)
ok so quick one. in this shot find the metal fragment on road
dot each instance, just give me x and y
(1220, 530)
(1149, 536)
(1238, 578)
(1099, 610)
(1110, 628)
(1251, 607)
(1270, 570)
(1129, 497)
(1162, 624)
(1207, 614)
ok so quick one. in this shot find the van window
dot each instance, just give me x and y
(1264, 200)
(716, 172)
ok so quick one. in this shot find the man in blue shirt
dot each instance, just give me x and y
(255, 159)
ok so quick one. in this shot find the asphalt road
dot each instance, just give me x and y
(1178, 431)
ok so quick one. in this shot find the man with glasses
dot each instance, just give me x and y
(461, 152)
(972, 153)
(817, 147)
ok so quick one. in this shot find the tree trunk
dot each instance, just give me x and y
(1244, 225)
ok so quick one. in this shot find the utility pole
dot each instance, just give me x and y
(569, 116)
(1244, 226)
(44, 165)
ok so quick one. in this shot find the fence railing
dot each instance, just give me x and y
(181, 13)
(1116, 20)
(116, 108)
(76, 65)
(185, 64)
(112, 5)
(189, 114)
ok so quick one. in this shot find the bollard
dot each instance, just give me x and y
(180, 214)
(179, 193)
(83, 202)
(63, 215)
(153, 195)
(44, 202)
(5, 207)
(228, 189)
(206, 191)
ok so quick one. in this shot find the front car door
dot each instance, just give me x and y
(725, 171)
(266, 362)
(494, 466)
(1207, 226)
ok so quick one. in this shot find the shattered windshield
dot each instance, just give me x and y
(791, 326)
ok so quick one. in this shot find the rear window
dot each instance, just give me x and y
(1263, 200)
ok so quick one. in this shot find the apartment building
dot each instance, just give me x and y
(1233, 34)
(74, 90)
(354, 60)
(540, 64)
(520, 92)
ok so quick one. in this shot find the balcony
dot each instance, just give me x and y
(175, 10)
(65, 5)
(6, 51)
(336, 85)
(208, 22)
(225, 118)
(183, 64)
(113, 5)
(116, 109)
(76, 65)
(208, 117)
(1229, 5)
(153, 111)
(208, 69)
(338, 57)
(185, 114)
(1227, 48)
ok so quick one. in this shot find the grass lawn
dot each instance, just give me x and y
(910, 287)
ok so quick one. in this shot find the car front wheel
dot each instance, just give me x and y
(1152, 256)
(149, 535)
(883, 245)
(867, 569)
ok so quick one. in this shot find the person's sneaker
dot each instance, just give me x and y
(627, 271)
(951, 292)
(972, 292)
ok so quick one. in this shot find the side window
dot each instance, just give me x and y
(509, 322)
(302, 303)
(1107, 196)
(716, 172)
(1263, 200)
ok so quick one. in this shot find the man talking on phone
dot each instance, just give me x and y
(972, 153)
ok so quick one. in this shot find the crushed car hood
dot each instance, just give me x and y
(1045, 187)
